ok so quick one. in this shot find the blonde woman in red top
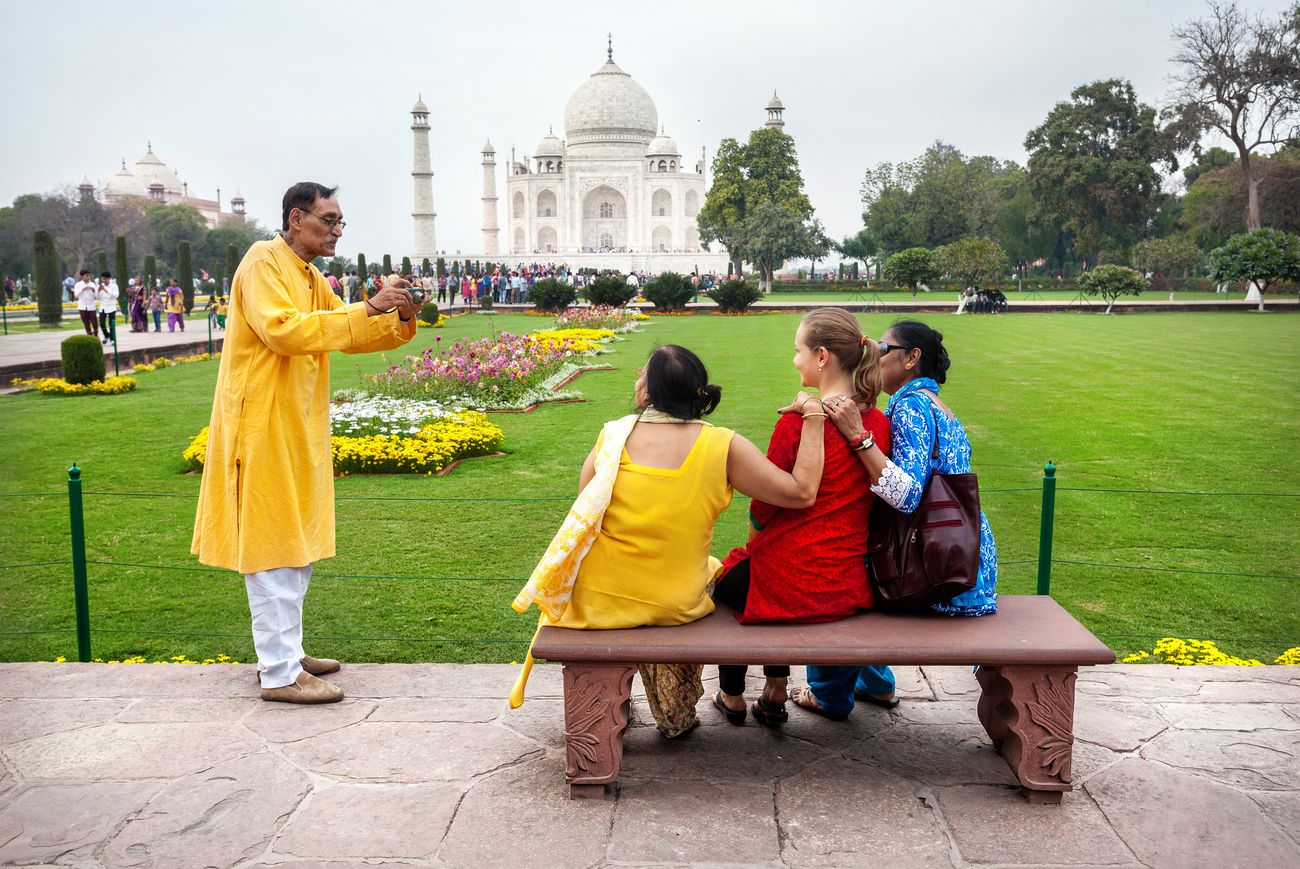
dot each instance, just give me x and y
(808, 565)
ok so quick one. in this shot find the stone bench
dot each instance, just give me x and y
(1028, 655)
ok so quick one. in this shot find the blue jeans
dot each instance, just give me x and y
(834, 686)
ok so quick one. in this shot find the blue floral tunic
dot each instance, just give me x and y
(914, 422)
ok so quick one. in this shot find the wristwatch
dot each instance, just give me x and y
(865, 442)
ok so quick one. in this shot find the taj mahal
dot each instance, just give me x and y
(614, 193)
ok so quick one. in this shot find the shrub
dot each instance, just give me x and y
(83, 359)
(1112, 281)
(552, 295)
(911, 268)
(669, 292)
(429, 314)
(612, 291)
(406, 265)
(49, 290)
(735, 296)
(388, 265)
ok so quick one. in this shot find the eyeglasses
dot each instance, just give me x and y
(332, 223)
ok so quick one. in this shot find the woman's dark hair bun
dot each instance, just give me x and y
(678, 383)
(915, 335)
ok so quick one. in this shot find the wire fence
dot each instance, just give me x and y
(79, 564)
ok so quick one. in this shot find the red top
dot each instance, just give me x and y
(809, 565)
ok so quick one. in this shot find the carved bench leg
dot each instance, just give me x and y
(595, 715)
(1029, 714)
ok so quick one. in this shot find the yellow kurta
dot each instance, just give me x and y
(650, 564)
(267, 496)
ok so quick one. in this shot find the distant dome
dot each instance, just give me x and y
(488, 149)
(150, 171)
(610, 107)
(662, 146)
(419, 106)
(550, 146)
(775, 102)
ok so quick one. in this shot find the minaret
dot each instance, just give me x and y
(774, 110)
(491, 233)
(426, 244)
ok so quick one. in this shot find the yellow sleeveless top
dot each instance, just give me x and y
(650, 563)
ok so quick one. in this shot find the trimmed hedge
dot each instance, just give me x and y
(669, 292)
(83, 359)
(612, 291)
(429, 314)
(552, 295)
(732, 297)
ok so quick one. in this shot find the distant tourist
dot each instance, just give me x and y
(86, 294)
(156, 309)
(175, 306)
(266, 502)
(106, 296)
(139, 305)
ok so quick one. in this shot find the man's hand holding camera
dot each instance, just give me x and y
(394, 297)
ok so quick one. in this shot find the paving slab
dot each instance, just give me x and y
(937, 754)
(1226, 716)
(24, 719)
(410, 752)
(468, 710)
(660, 821)
(369, 821)
(187, 711)
(218, 817)
(522, 817)
(58, 822)
(989, 828)
(849, 814)
(1117, 726)
(1148, 804)
(129, 751)
(745, 755)
(288, 722)
(1283, 808)
(1260, 760)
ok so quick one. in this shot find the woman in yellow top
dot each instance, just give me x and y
(650, 563)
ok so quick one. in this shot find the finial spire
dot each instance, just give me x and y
(609, 52)
(150, 143)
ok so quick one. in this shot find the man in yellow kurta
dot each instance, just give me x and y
(266, 503)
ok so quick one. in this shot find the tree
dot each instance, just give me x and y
(1110, 282)
(1263, 257)
(1213, 158)
(442, 267)
(1238, 76)
(773, 234)
(49, 289)
(1162, 257)
(974, 261)
(122, 271)
(361, 273)
(723, 213)
(1092, 162)
(388, 266)
(426, 267)
(185, 274)
(150, 272)
(101, 262)
(910, 268)
(1214, 207)
(340, 265)
(858, 247)
(406, 265)
(171, 225)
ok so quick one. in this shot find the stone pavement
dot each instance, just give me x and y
(422, 765)
(29, 354)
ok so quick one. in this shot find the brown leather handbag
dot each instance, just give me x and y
(932, 554)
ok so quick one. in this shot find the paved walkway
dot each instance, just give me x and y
(32, 353)
(170, 766)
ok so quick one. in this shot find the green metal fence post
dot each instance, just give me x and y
(1045, 529)
(79, 563)
(209, 333)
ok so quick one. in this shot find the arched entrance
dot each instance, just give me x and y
(604, 219)
(661, 239)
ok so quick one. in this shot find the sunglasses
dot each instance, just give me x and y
(886, 347)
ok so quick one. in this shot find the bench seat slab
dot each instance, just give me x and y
(1028, 712)
(596, 700)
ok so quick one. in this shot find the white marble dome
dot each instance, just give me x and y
(663, 146)
(610, 107)
(550, 146)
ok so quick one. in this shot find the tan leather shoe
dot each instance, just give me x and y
(319, 666)
(307, 689)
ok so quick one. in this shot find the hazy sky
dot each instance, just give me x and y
(254, 96)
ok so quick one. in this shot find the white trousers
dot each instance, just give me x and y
(275, 603)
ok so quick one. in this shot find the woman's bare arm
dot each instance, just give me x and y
(751, 473)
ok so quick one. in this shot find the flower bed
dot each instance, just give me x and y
(164, 362)
(600, 317)
(1174, 650)
(59, 386)
(437, 438)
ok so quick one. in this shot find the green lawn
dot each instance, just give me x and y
(1184, 402)
(945, 296)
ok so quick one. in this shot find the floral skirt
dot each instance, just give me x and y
(672, 690)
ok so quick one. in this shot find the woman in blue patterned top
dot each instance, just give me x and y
(913, 363)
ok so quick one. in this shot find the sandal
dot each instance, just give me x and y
(769, 714)
(804, 698)
(891, 703)
(733, 716)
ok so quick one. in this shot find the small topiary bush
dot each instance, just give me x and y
(732, 297)
(552, 295)
(83, 359)
(669, 292)
(429, 313)
(612, 291)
